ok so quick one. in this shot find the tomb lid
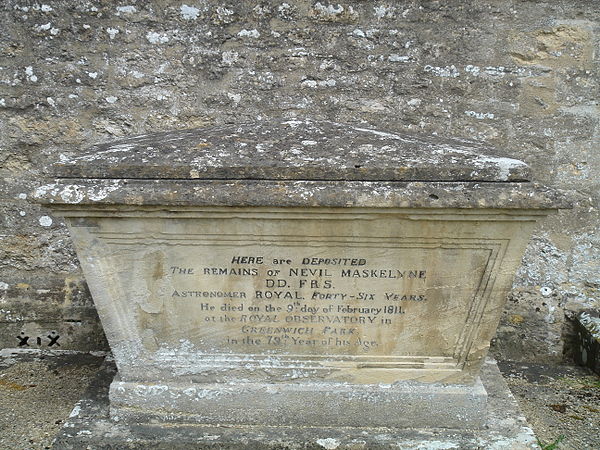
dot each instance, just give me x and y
(292, 150)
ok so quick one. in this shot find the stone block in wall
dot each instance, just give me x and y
(587, 349)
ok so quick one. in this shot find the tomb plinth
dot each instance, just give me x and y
(298, 273)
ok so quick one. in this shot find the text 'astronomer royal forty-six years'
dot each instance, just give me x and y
(299, 302)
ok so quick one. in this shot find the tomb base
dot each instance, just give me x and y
(91, 425)
(398, 405)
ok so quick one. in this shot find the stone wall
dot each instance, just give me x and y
(522, 75)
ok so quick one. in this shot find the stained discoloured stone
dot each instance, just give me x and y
(251, 301)
(519, 76)
(299, 405)
(90, 424)
(587, 352)
(292, 150)
(463, 195)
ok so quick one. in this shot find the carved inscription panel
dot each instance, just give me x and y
(375, 298)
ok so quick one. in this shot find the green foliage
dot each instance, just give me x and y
(587, 382)
(550, 445)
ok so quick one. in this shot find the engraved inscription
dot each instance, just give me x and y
(406, 295)
(287, 299)
(334, 299)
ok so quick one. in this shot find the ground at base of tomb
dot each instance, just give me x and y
(40, 390)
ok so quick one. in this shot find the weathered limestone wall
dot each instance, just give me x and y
(522, 75)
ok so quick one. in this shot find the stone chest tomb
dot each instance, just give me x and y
(298, 272)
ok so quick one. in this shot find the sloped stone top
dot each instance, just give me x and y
(291, 150)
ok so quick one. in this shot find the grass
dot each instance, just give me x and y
(550, 445)
(589, 382)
